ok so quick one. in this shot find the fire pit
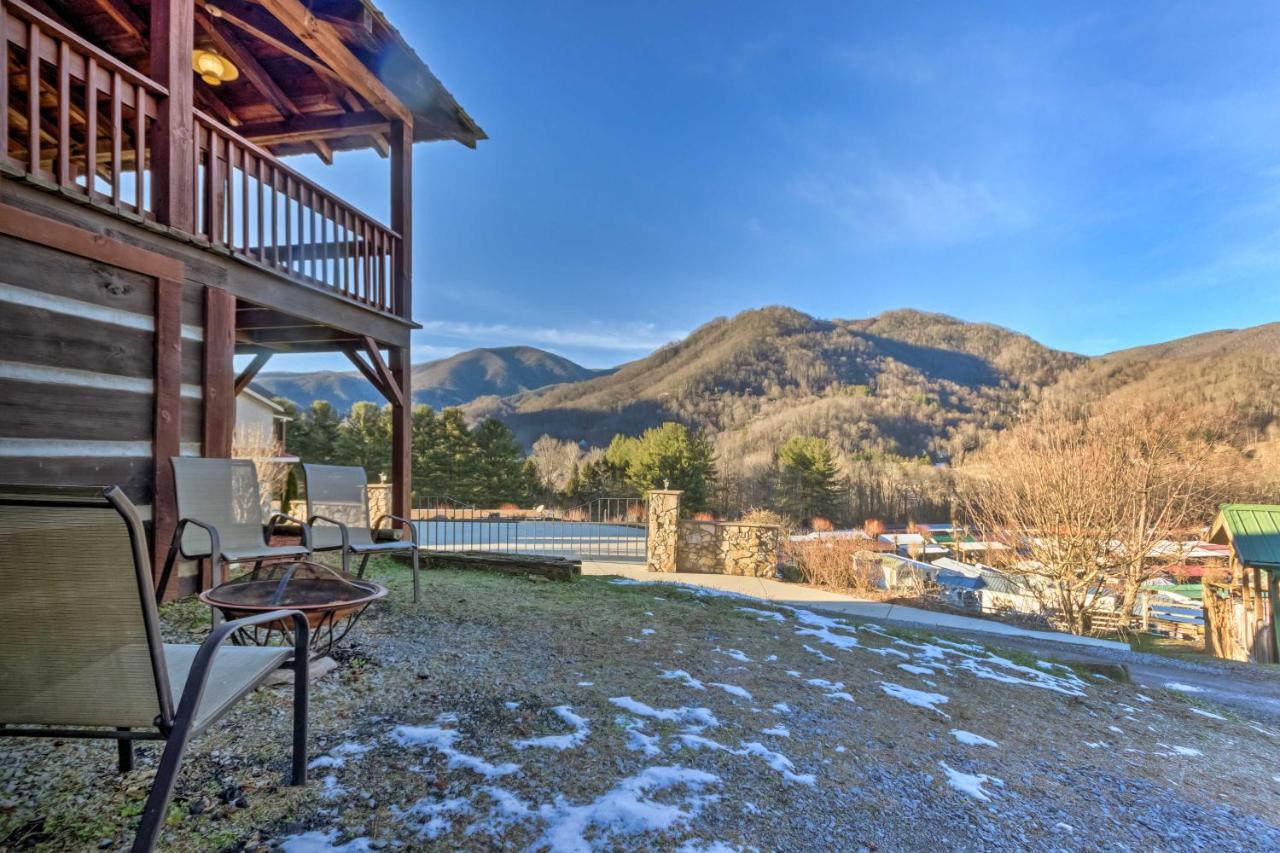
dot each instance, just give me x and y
(332, 602)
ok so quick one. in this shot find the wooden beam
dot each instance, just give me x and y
(288, 50)
(246, 376)
(166, 437)
(34, 228)
(305, 128)
(248, 65)
(172, 155)
(353, 355)
(402, 217)
(326, 44)
(392, 388)
(125, 18)
(219, 371)
(358, 30)
(401, 434)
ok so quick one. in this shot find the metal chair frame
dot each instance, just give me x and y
(175, 726)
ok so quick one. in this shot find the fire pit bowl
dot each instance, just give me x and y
(331, 601)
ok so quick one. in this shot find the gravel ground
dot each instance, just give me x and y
(511, 714)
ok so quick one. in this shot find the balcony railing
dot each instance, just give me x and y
(72, 106)
(82, 122)
(256, 207)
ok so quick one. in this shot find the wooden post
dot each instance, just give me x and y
(168, 408)
(402, 216)
(219, 372)
(173, 138)
(401, 435)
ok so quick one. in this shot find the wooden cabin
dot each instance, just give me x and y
(1241, 601)
(150, 231)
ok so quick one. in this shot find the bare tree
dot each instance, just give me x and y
(555, 461)
(1082, 497)
(268, 456)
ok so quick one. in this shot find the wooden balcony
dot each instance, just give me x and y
(84, 124)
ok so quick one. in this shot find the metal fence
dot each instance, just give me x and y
(604, 528)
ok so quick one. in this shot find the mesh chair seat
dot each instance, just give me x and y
(236, 670)
(266, 552)
(337, 500)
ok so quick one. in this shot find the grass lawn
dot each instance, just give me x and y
(513, 714)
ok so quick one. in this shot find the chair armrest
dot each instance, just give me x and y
(342, 528)
(306, 528)
(202, 664)
(408, 525)
(215, 541)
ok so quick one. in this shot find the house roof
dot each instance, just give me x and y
(1252, 530)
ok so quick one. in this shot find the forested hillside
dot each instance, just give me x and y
(450, 381)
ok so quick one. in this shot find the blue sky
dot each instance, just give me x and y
(1095, 175)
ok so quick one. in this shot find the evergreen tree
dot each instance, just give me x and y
(498, 463)
(458, 454)
(321, 435)
(808, 481)
(364, 439)
(670, 456)
(429, 459)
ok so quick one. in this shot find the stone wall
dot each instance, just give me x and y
(728, 548)
(711, 547)
(379, 500)
(664, 520)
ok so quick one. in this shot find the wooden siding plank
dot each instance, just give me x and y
(30, 410)
(133, 474)
(38, 336)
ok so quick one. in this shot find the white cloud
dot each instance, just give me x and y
(919, 206)
(622, 337)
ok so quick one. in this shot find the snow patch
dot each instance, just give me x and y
(970, 783)
(735, 654)
(971, 739)
(581, 729)
(919, 698)
(442, 740)
(689, 716)
(914, 669)
(733, 690)
(764, 615)
(777, 731)
(684, 678)
(1183, 688)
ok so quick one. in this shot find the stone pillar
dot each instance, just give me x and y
(664, 527)
(380, 495)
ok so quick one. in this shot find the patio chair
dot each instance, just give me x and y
(337, 495)
(220, 518)
(80, 648)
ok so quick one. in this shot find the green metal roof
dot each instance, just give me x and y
(1253, 530)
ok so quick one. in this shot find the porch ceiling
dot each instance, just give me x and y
(315, 78)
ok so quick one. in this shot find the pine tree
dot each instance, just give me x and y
(498, 463)
(321, 434)
(458, 451)
(670, 456)
(807, 479)
(364, 439)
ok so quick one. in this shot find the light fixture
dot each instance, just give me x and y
(213, 68)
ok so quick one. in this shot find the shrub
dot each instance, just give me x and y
(704, 516)
(760, 515)
(835, 563)
(820, 524)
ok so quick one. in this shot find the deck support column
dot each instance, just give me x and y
(401, 138)
(401, 435)
(219, 372)
(173, 185)
(168, 408)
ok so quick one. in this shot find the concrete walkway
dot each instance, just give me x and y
(798, 595)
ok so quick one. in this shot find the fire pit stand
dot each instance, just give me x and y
(332, 602)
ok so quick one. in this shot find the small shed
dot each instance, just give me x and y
(1240, 605)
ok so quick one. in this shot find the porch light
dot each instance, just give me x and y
(213, 68)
